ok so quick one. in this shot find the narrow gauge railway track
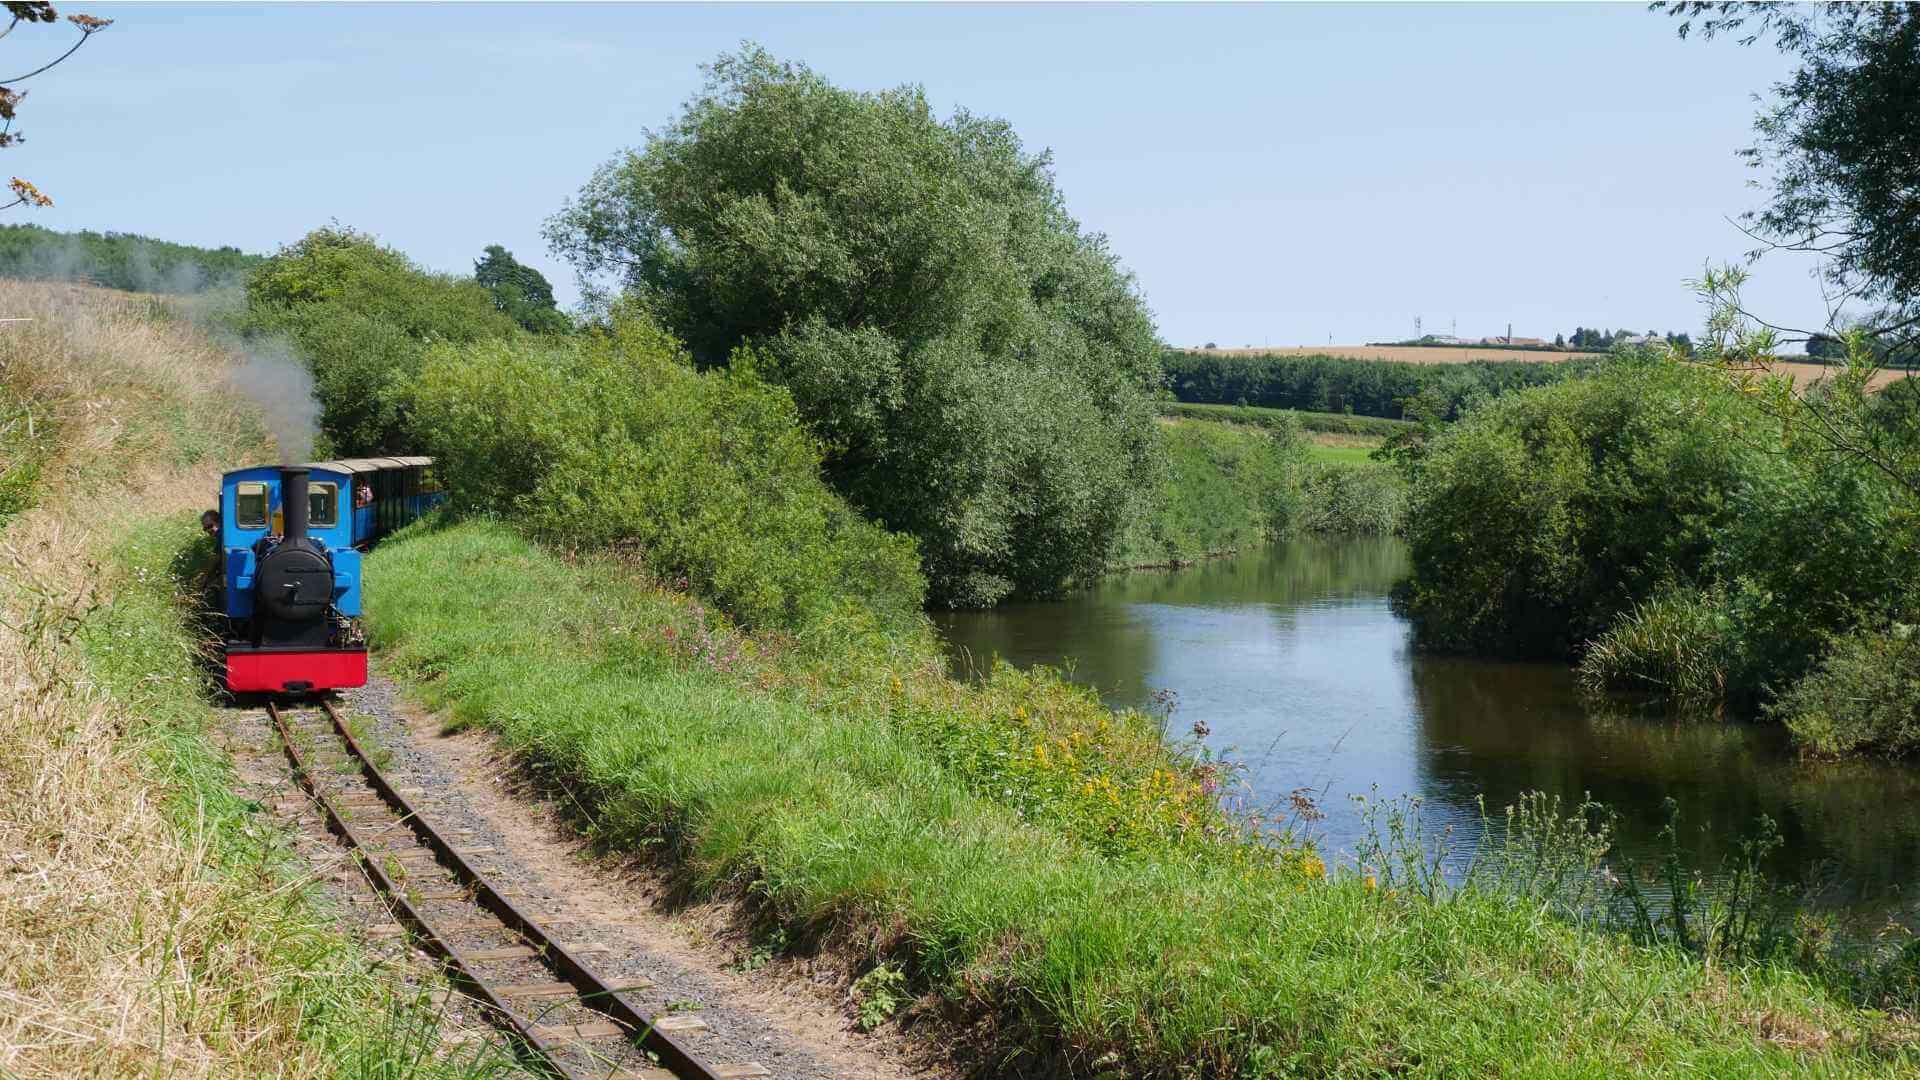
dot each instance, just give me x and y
(564, 1016)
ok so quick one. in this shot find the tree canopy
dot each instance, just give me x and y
(1842, 139)
(362, 316)
(980, 367)
(520, 291)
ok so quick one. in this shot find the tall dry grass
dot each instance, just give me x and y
(146, 924)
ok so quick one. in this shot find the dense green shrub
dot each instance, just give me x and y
(1364, 498)
(1864, 695)
(614, 440)
(1812, 543)
(362, 316)
(1334, 384)
(1548, 512)
(1816, 542)
(1648, 519)
(979, 367)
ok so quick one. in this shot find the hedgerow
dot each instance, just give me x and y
(614, 440)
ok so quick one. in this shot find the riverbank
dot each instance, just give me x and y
(150, 921)
(1239, 478)
(1020, 868)
(1691, 534)
(1292, 659)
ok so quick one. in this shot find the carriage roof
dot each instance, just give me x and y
(352, 466)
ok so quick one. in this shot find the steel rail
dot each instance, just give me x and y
(594, 992)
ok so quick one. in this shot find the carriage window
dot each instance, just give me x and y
(323, 505)
(250, 506)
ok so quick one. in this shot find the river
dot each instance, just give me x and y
(1292, 661)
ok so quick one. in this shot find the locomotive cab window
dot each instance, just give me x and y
(250, 506)
(323, 505)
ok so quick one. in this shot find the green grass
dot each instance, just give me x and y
(26, 437)
(1226, 487)
(1342, 455)
(815, 781)
(1341, 423)
(166, 926)
(1231, 485)
(141, 647)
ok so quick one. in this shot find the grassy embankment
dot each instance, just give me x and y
(150, 921)
(1045, 877)
(1314, 423)
(1045, 874)
(1238, 476)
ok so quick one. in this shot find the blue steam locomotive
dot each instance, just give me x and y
(290, 539)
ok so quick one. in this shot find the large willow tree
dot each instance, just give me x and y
(980, 368)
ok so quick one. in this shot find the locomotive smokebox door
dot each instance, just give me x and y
(294, 585)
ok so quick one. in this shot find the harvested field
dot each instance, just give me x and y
(1406, 354)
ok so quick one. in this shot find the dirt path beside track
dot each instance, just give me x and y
(783, 1014)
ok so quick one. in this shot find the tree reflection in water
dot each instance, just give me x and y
(1291, 656)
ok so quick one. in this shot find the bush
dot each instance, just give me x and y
(1360, 498)
(1637, 516)
(1864, 695)
(362, 317)
(1546, 513)
(1815, 543)
(615, 440)
(980, 369)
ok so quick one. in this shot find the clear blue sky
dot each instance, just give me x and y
(1273, 174)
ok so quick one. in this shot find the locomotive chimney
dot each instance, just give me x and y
(293, 501)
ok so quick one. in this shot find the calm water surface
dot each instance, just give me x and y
(1292, 659)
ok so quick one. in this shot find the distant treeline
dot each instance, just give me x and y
(119, 260)
(1828, 349)
(1335, 384)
